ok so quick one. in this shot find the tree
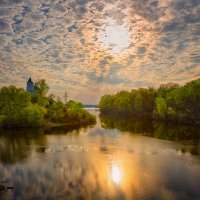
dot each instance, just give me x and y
(161, 106)
(107, 103)
(13, 100)
(20, 108)
(138, 102)
(39, 96)
(33, 115)
(165, 89)
(41, 87)
(51, 99)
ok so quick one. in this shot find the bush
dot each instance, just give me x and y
(20, 108)
(31, 115)
(72, 112)
(79, 115)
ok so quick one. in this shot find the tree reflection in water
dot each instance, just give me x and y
(117, 161)
(185, 134)
(15, 145)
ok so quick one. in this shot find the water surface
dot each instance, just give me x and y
(115, 159)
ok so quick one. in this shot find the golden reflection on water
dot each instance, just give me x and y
(116, 174)
(98, 164)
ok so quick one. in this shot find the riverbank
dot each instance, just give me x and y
(20, 108)
(151, 117)
(48, 124)
(170, 102)
(54, 125)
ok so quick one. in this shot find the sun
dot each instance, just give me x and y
(116, 174)
(114, 38)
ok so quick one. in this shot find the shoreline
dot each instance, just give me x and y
(111, 114)
(47, 125)
(151, 117)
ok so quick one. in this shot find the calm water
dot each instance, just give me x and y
(115, 159)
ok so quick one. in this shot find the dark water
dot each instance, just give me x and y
(117, 158)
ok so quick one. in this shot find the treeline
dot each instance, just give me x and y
(21, 108)
(169, 102)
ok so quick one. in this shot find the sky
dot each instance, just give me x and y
(94, 47)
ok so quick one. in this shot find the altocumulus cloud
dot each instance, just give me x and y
(60, 41)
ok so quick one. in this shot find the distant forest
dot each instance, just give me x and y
(169, 102)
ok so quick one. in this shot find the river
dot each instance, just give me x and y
(114, 159)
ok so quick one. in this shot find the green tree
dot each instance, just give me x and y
(41, 87)
(106, 103)
(20, 108)
(56, 111)
(138, 102)
(13, 100)
(39, 96)
(33, 115)
(161, 106)
(74, 105)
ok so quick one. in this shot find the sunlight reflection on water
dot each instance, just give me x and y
(96, 163)
(116, 174)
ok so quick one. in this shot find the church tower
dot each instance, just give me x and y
(30, 86)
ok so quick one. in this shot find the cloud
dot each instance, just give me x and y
(4, 26)
(60, 41)
(185, 4)
(72, 27)
(18, 41)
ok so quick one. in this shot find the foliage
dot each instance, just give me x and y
(139, 101)
(41, 87)
(20, 108)
(72, 112)
(161, 106)
(170, 102)
(76, 112)
(74, 105)
(39, 96)
(56, 111)
(33, 115)
(40, 100)
(13, 100)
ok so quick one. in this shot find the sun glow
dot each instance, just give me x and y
(116, 174)
(115, 38)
